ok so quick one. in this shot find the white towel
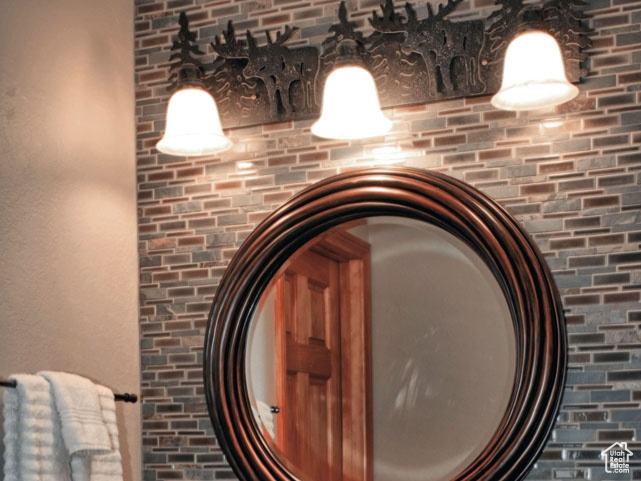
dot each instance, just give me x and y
(87, 413)
(101, 467)
(34, 448)
(78, 405)
(267, 417)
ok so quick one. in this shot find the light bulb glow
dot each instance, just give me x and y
(351, 109)
(193, 125)
(533, 74)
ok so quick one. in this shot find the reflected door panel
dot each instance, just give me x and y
(323, 361)
(308, 366)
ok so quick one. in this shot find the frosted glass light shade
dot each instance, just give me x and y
(533, 74)
(350, 106)
(193, 125)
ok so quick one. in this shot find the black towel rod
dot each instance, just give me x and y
(125, 397)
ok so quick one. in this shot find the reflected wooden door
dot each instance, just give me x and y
(323, 360)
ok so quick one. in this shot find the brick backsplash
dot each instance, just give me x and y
(570, 176)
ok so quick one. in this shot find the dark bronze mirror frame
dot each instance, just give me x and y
(427, 196)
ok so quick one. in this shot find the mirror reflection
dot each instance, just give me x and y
(383, 349)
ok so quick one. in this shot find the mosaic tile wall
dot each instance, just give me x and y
(571, 177)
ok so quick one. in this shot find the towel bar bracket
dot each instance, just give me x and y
(126, 397)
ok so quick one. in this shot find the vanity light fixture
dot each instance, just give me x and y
(193, 125)
(533, 74)
(405, 60)
(350, 108)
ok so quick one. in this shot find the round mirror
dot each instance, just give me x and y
(439, 338)
(385, 324)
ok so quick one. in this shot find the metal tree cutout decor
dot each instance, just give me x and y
(187, 69)
(413, 60)
(343, 30)
(449, 51)
(285, 76)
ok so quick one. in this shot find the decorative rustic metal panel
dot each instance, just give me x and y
(413, 60)
(267, 82)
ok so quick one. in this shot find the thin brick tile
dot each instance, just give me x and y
(581, 300)
(573, 243)
(621, 297)
(556, 167)
(602, 201)
(624, 258)
(619, 278)
(495, 154)
(628, 159)
(610, 141)
(587, 261)
(615, 180)
(449, 140)
(536, 189)
(578, 184)
(617, 356)
(600, 122)
(582, 222)
(612, 100)
(609, 239)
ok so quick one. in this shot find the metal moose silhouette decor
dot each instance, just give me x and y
(413, 60)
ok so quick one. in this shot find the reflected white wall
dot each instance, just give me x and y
(261, 361)
(443, 352)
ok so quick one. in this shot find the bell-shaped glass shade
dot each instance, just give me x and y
(350, 106)
(533, 74)
(193, 125)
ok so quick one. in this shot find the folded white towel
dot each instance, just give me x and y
(101, 467)
(78, 405)
(267, 417)
(34, 448)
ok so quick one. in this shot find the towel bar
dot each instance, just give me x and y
(125, 397)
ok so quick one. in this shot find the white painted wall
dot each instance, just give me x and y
(68, 269)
